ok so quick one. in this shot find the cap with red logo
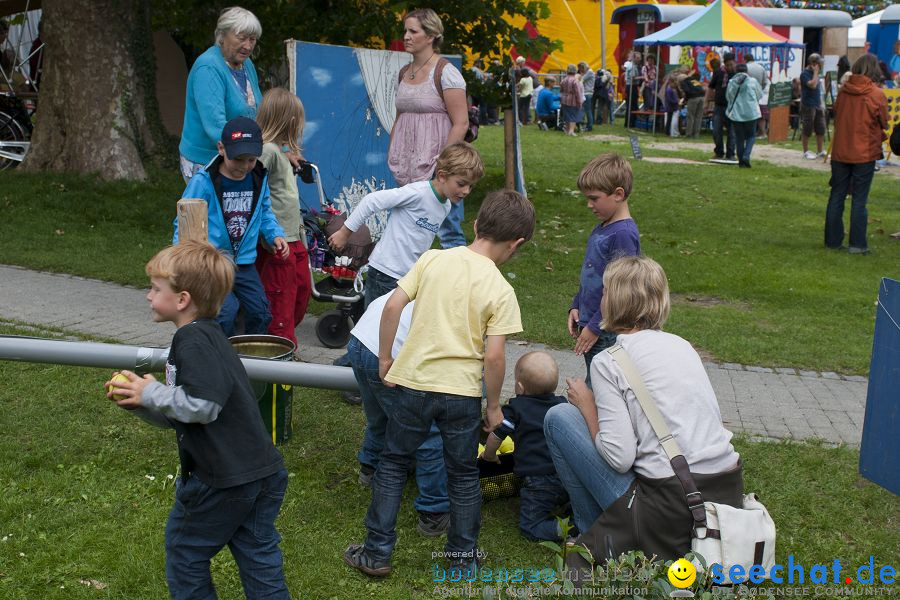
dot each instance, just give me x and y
(242, 136)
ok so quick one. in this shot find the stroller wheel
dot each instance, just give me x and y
(333, 329)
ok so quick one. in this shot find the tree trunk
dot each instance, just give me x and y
(95, 95)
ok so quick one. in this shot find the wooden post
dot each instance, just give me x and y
(192, 219)
(779, 123)
(509, 129)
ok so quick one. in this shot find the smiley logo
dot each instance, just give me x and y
(682, 573)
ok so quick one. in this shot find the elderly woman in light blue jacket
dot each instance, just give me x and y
(743, 94)
(222, 85)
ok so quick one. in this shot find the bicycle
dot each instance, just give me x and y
(15, 127)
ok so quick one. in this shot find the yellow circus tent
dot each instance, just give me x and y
(577, 24)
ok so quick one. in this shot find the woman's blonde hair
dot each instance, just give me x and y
(431, 24)
(636, 294)
(281, 118)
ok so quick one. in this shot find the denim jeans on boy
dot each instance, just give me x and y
(745, 136)
(720, 122)
(541, 495)
(377, 284)
(606, 339)
(459, 420)
(450, 232)
(842, 176)
(248, 293)
(204, 520)
(592, 484)
(378, 403)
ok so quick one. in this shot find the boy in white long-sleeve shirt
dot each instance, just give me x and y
(417, 211)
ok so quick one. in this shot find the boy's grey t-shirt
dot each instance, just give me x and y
(604, 245)
(416, 215)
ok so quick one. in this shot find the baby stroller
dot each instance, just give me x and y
(343, 284)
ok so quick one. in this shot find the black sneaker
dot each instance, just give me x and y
(352, 398)
(366, 473)
(433, 524)
(355, 556)
(467, 568)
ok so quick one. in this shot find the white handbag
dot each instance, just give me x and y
(722, 534)
(735, 536)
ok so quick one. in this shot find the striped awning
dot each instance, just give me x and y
(720, 24)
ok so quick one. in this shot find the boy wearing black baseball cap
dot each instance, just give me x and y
(236, 189)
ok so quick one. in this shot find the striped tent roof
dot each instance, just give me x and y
(720, 24)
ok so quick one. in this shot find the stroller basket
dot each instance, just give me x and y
(359, 244)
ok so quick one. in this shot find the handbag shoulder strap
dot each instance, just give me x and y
(666, 439)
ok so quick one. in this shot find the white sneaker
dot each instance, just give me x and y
(822, 154)
(809, 155)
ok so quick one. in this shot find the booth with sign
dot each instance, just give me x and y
(779, 111)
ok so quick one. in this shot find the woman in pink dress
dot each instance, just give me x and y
(425, 121)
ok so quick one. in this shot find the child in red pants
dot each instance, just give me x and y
(286, 280)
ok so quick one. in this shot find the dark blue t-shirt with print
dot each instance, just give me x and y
(237, 202)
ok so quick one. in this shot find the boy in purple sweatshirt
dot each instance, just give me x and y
(606, 183)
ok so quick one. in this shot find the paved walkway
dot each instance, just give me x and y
(772, 403)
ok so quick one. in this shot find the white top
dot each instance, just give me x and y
(367, 330)
(416, 215)
(451, 78)
(677, 381)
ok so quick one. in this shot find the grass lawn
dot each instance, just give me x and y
(742, 248)
(86, 493)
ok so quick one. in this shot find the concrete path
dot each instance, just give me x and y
(771, 403)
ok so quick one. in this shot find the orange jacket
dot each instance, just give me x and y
(860, 118)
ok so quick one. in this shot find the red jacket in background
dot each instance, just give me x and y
(860, 118)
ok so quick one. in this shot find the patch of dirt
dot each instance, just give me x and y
(669, 159)
(773, 154)
(706, 301)
(704, 355)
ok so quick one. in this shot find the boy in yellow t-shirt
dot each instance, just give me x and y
(464, 311)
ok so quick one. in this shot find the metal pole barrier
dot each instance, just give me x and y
(628, 115)
(603, 34)
(144, 360)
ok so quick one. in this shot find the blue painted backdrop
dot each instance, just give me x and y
(344, 90)
(879, 455)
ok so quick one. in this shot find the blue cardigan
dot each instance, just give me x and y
(213, 99)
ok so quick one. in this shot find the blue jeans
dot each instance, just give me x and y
(745, 134)
(378, 403)
(451, 233)
(591, 483)
(204, 519)
(720, 122)
(377, 284)
(248, 293)
(458, 418)
(606, 339)
(588, 107)
(843, 175)
(541, 494)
